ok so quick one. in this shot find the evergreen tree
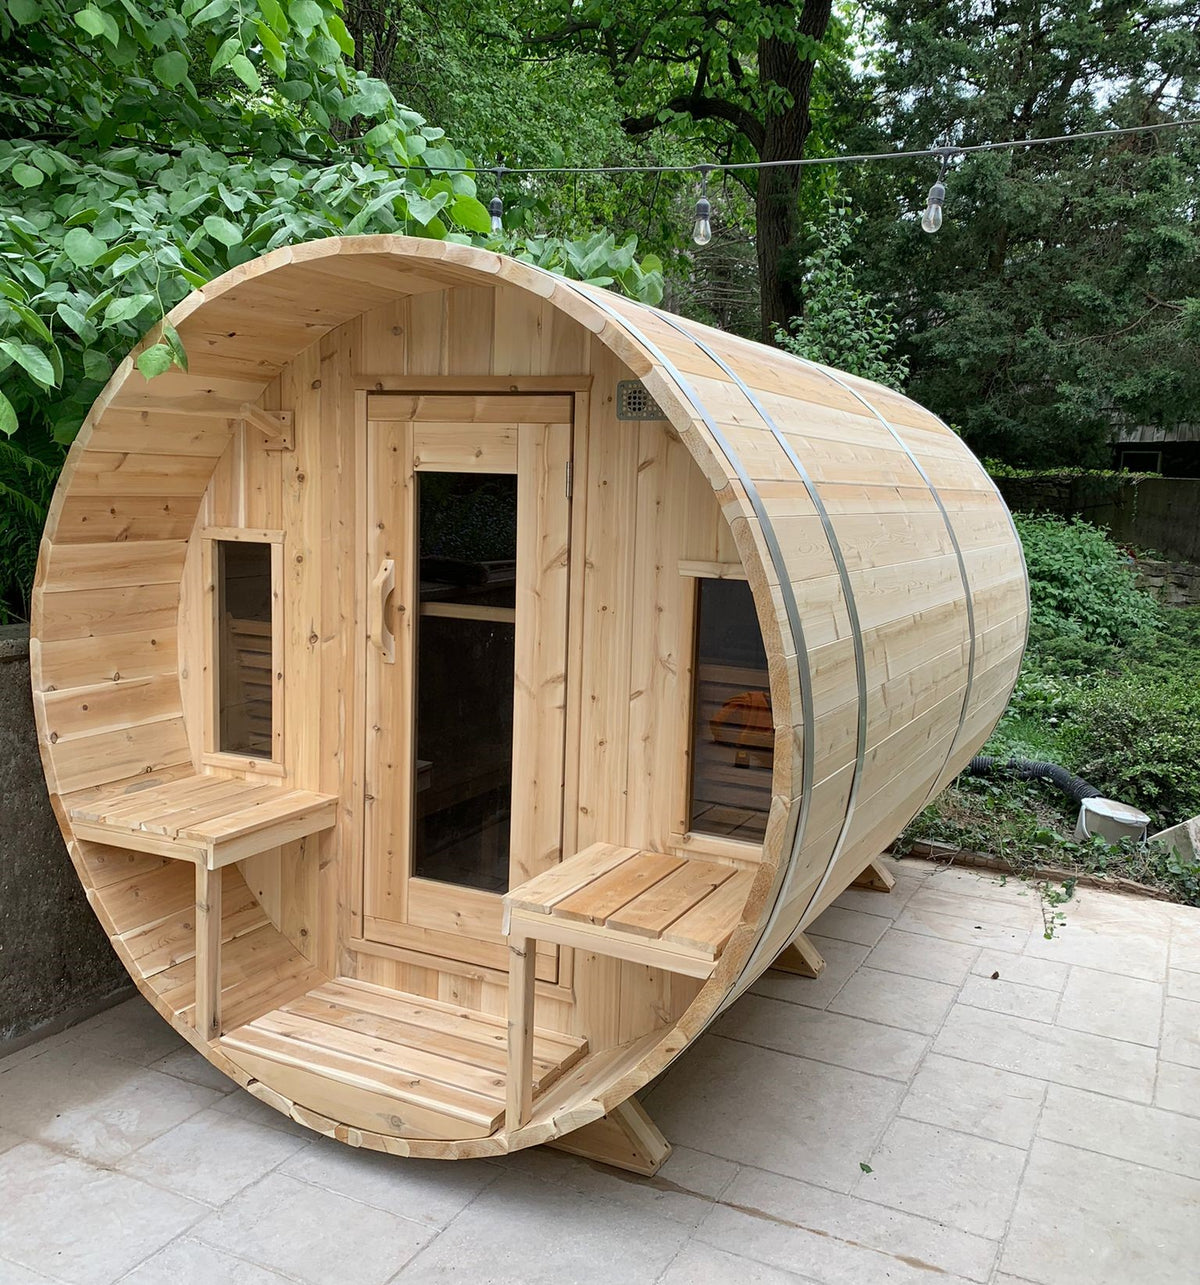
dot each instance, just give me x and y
(1062, 295)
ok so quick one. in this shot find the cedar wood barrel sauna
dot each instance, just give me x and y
(464, 682)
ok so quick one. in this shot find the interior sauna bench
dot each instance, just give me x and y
(363, 1052)
(210, 821)
(671, 912)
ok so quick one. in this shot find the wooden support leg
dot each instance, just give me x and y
(801, 957)
(208, 952)
(877, 877)
(522, 953)
(625, 1138)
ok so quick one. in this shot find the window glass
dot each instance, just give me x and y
(245, 620)
(733, 735)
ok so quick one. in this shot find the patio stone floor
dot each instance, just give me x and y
(955, 1099)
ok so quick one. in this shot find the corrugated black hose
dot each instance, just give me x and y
(1029, 770)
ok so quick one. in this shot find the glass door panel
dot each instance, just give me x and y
(465, 653)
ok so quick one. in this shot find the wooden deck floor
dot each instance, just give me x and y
(402, 1064)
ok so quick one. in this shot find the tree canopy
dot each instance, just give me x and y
(1061, 297)
(744, 71)
(146, 148)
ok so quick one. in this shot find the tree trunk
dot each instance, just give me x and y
(777, 206)
(776, 215)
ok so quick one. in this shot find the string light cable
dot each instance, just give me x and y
(702, 227)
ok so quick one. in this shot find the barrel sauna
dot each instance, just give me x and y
(462, 683)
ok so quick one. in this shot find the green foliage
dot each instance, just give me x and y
(1136, 737)
(842, 325)
(27, 476)
(1059, 298)
(146, 149)
(1081, 585)
(1027, 825)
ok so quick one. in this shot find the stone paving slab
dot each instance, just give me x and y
(956, 1099)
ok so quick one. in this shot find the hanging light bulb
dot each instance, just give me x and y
(931, 220)
(702, 227)
(496, 204)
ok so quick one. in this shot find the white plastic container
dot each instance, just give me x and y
(1110, 820)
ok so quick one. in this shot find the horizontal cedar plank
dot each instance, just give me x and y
(105, 865)
(710, 923)
(322, 1025)
(116, 517)
(211, 807)
(440, 1017)
(252, 965)
(84, 711)
(276, 1036)
(95, 613)
(543, 891)
(658, 907)
(514, 408)
(117, 473)
(457, 1045)
(601, 899)
(113, 755)
(79, 662)
(160, 945)
(125, 801)
(261, 811)
(127, 432)
(150, 896)
(109, 565)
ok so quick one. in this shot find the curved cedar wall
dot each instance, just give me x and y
(887, 575)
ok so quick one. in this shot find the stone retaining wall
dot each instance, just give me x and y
(56, 964)
(1174, 584)
(1161, 514)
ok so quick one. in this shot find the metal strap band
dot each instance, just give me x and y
(772, 542)
(962, 565)
(860, 662)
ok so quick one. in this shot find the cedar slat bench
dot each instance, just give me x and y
(669, 912)
(212, 822)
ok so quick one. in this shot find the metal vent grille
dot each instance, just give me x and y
(634, 402)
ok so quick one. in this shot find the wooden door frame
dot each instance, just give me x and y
(435, 950)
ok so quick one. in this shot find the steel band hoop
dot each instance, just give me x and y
(777, 559)
(860, 663)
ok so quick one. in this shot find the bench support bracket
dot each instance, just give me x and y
(625, 1138)
(877, 877)
(801, 957)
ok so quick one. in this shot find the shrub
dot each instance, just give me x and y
(1080, 583)
(1138, 740)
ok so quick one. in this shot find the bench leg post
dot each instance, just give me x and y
(877, 877)
(522, 971)
(208, 952)
(801, 957)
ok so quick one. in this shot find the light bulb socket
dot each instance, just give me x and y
(703, 209)
(937, 193)
(496, 207)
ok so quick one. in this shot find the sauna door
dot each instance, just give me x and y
(466, 594)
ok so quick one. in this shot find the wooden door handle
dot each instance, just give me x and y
(382, 588)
